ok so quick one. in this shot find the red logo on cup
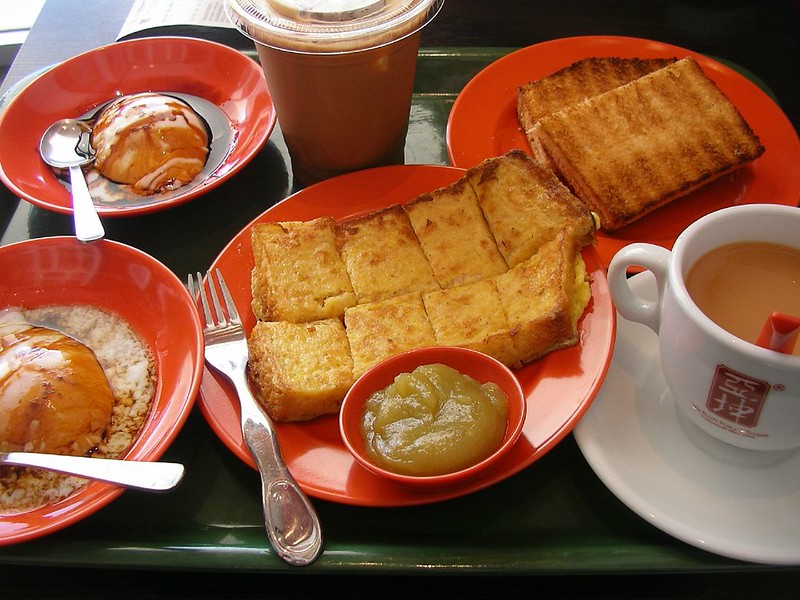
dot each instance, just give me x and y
(736, 397)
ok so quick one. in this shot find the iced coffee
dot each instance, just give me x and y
(340, 73)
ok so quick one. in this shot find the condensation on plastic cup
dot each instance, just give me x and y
(341, 75)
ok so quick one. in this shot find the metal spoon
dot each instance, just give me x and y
(65, 146)
(143, 475)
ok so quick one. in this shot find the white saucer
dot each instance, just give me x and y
(633, 439)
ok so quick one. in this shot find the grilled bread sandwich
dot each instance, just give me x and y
(378, 330)
(544, 297)
(637, 147)
(300, 370)
(471, 316)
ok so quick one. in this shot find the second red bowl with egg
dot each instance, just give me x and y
(141, 291)
(476, 365)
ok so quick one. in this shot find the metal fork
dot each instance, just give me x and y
(291, 521)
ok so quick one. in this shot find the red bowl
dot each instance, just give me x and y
(145, 293)
(479, 366)
(218, 74)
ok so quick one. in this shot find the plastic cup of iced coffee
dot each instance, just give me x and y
(341, 75)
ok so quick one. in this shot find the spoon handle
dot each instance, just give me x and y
(88, 227)
(143, 475)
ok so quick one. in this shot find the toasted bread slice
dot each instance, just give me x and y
(633, 149)
(577, 82)
(383, 257)
(526, 206)
(454, 236)
(298, 274)
(471, 316)
(544, 297)
(378, 330)
(300, 370)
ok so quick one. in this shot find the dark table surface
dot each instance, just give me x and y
(759, 37)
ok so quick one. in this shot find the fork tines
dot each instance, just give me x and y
(196, 287)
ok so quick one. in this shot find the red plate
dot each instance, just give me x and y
(218, 74)
(483, 123)
(559, 388)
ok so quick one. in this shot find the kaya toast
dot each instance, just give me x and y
(526, 205)
(298, 274)
(637, 147)
(378, 330)
(471, 316)
(544, 297)
(454, 236)
(383, 256)
(300, 370)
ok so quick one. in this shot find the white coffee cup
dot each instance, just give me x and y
(737, 392)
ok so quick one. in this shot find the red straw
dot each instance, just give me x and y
(779, 333)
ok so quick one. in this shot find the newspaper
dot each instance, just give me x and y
(146, 14)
